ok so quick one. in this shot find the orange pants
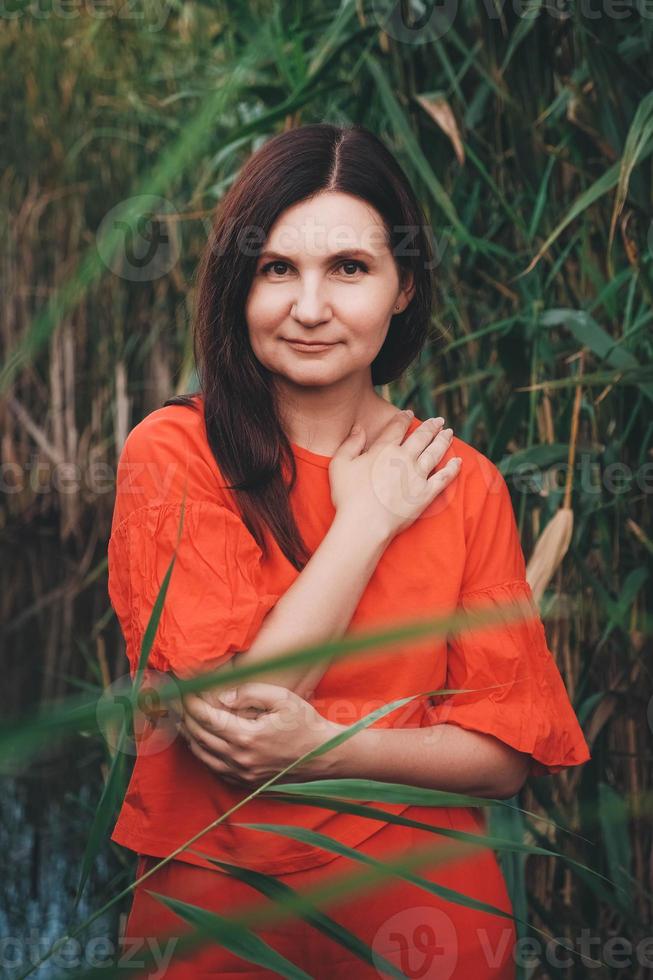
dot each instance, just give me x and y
(420, 933)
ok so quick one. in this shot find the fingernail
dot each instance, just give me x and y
(409, 412)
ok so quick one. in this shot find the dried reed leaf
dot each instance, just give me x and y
(121, 407)
(550, 549)
(440, 112)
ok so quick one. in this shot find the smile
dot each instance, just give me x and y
(309, 348)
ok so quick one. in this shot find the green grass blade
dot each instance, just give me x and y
(289, 898)
(236, 938)
(401, 869)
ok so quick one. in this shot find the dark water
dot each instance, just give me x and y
(58, 638)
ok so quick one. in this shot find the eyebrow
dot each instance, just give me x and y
(344, 253)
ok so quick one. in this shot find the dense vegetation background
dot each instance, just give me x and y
(527, 131)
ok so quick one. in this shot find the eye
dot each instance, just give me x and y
(275, 262)
(355, 263)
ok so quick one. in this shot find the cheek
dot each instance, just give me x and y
(263, 313)
(266, 304)
(367, 310)
(368, 330)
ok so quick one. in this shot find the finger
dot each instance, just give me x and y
(444, 476)
(237, 728)
(176, 707)
(351, 446)
(434, 452)
(257, 694)
(423, 436)
(211, 718)
(252, 712)
(199, 748)
(206, 740)
(197, 707)
(219, 766)
(394, 430)
(181, 731)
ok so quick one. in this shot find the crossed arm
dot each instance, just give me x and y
(249, 749)
(317, 607)
(444, 757)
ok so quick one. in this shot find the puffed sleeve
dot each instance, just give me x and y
(530, 710)
(217, 597)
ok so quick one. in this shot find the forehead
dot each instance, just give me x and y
(328, 223)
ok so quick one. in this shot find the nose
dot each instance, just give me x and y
(310, 305)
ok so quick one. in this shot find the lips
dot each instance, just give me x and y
(312, 346)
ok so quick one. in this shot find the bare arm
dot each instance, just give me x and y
(376, 494)
(444, 757)
(319, 604)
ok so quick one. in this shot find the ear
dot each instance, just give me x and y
(407, 287)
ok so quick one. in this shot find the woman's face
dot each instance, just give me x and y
(325, 274)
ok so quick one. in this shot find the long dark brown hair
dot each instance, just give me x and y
(244, 432)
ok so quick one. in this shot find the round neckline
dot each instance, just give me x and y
(319, 460)
(316, 458)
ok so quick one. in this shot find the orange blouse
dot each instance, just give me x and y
(463, 551)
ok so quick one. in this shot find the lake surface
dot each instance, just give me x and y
(59, 637)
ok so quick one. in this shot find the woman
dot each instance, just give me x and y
(313, 507)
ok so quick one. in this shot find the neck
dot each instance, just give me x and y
(320, 418)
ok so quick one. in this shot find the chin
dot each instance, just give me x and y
(307, 376)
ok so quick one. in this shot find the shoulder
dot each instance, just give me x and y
(167, 431)
(167, 458)
(478, 497)
(481, 478)
(484, 498)
(493, 552)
